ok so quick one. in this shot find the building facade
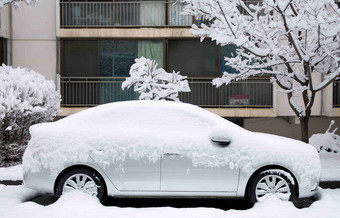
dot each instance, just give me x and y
(87, 48)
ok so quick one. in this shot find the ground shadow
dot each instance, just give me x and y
(224, 204)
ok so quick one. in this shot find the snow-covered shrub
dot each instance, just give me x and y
(154, 83)
(26, 98)
(328, 141)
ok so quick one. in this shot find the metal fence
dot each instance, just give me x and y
(91, 91)
(119, 14)
(336, 93)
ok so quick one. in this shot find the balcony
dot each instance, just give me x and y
(85, 14)
(92, 91)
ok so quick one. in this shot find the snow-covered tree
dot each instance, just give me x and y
(26, 98)
(154, 83)
(16, 2)
(288, 40)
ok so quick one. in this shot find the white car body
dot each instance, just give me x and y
(163, 149)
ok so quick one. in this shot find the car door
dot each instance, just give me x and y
(178, 173)
(203, 166)
(135, 175)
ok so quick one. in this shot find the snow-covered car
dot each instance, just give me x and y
(165, 149)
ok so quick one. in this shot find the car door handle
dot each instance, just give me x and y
(171, 154)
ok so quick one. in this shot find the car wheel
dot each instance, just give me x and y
(83, 180)
(277, 182)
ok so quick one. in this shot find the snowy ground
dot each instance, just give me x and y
(76, 204)
(11, 173)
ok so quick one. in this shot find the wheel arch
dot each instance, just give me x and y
(271, 167)
(78, 166)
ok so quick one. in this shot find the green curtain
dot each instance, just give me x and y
(152, 50)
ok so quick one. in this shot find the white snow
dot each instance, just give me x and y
(76, 204)
(148, 129)
(11, 173)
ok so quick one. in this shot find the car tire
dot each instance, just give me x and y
(275, 181)
(83, 180)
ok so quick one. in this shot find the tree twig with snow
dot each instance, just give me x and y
(16, 2)
(328, 141)
(288, 40)
(154, 83)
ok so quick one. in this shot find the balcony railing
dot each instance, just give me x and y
(336, 93)
(122, 14)
(91, 91)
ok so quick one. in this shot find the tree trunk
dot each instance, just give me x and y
(304, 128)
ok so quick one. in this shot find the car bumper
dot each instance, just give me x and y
(42, 181)
(308, 191)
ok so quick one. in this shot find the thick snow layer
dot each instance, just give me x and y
(148, 129)
(76, 204)
(11, 173)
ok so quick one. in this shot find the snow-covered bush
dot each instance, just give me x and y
(154, 83)
(26, 98)
(328, 141)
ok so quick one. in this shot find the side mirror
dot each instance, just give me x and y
(221, 142)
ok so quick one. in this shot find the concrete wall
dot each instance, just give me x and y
(322, 106)
(4, 16)
(34, 37)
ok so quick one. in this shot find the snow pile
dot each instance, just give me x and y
(148, 129)
(26, 98)
(154, 83)
(11, 196)
(328, 141)
(11, 173)
(77, 204)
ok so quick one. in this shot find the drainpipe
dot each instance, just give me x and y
(321, 95)
(57, 16)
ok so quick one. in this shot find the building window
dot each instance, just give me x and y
(80, 58)
(193, 58)
(93, 70)
(227, 51)
(117, 56)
